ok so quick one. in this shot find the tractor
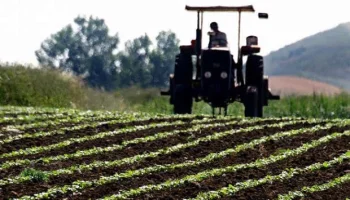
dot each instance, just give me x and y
(213, 76)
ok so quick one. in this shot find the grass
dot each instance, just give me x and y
(337, 106)
(25, 86)
(315, 106)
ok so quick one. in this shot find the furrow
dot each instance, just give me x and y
(110, 149)
(24, 119)
(339, 187)
(160, 173)
(319, 154)
(60, 130)
(42, 139)
(98, 122)
(169, 150)
(283, 176)
(17, 131)
(26, 154)
(221, 171)
(77, 138)
(14, 111)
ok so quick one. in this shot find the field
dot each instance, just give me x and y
(70, 154)
(35, 87)
(291, 85)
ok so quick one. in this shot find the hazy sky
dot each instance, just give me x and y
(26, 23)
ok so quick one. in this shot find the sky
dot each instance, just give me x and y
(25, 24)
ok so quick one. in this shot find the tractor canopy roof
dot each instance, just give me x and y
(248, 8)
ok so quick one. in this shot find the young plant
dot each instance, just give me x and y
(34, 175)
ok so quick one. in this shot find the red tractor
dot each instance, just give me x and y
(212, 75)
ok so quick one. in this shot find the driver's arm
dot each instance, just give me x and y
(224, 38)
(210, 40)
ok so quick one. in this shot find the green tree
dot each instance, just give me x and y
(162, 58)
(86, 50)
(142, 65)
(134, 62)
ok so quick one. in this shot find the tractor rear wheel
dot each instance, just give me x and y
(255, 78)
(182, 84)
(183, 69)
(183, 99)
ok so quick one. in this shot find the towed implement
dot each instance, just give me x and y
(213, 76)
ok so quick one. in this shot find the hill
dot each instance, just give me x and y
(324, 57)
(290, 85)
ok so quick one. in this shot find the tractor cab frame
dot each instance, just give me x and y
(213, 76)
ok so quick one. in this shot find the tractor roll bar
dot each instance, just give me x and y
(201, 9)
(248, 8)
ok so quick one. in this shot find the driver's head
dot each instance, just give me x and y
(214, 26)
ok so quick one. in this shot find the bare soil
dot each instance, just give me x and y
(201, 150)
(292, 85)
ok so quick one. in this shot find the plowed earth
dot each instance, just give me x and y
(172, 153)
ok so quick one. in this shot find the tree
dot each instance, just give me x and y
(162, 58)
(86, 50)
(134, 64)
(139, 65)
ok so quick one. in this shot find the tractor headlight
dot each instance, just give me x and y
(207, 74)
(223, 75)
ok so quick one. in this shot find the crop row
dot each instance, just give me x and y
(89, 122)
(100, 135)
(199, 161)
(79, 185)
(285, 175)
(220, 171)
(337, 182)
(17, 110)
(26, 118)
(248, 122)
(144, 142)
(31, 118)
(93, 122)
(18, 125)
(71, 120)
(75, 140)
(115, 155)
(22, 128)
(95, 150)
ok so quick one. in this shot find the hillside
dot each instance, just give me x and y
(289, 85)
(324, 57)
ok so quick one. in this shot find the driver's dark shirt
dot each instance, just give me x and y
(218, 39)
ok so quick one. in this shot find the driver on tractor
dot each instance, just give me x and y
(217, 38)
